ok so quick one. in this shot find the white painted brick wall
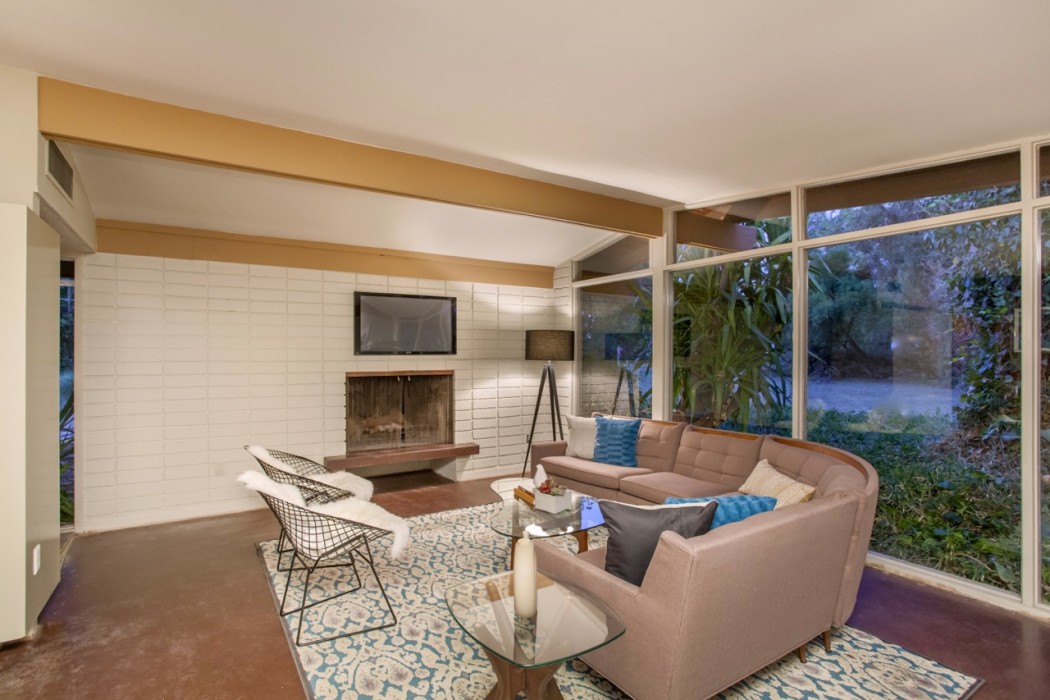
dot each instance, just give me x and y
(181, 363)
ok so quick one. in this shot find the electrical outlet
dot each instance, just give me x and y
(36, 560)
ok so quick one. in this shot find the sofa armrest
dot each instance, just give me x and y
(613, 591)
(540, 450)
(650, 611)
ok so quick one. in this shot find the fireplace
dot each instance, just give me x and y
(394, 410)
(399, 421)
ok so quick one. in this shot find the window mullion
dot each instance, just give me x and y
(799, 318)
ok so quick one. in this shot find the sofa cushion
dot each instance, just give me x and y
(765, 480)
(655, 487)
(581, 437)
(658, 444)
(733, 509)
(717, 455)
(616, 441)
(634, 532)
(586, 471)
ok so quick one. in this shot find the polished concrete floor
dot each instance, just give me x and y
(183, 611)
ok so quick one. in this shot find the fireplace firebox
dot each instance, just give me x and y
(399, 417)
(393, 410)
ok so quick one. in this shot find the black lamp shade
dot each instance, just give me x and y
(550, 345)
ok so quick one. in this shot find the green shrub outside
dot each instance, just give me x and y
(936, 507)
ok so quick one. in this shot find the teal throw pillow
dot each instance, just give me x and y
(615, 441)
(732, 509)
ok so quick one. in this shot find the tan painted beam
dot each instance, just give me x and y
(130, 238)
(89, 115)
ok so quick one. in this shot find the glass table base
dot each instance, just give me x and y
(526, 652)
(538, 683)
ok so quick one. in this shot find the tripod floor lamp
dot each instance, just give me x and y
(549, 347)
(625, 348)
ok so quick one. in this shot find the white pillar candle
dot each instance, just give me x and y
(524, 577)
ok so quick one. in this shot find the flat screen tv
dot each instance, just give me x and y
(404, 324)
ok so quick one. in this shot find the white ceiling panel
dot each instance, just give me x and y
(173, 193)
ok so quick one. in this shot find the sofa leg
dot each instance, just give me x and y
(826, 634)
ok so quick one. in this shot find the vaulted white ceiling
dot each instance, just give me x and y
(665, 101)
(160, 191)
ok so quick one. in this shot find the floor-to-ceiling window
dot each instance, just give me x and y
(912, 365)
(1044, 394)
(615, 309)
(731, 319)
(616, 348)
(914, 362)
(1043, 190)
(882, 314)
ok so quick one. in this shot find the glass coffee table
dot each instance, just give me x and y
(525, 653)
(517, 517)
(504, 488)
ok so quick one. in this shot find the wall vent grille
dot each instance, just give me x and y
(59, 169)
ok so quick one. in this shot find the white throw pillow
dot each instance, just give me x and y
(581, 437)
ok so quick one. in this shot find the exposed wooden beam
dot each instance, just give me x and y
(90, 115)
(130, 238)
(991, 171)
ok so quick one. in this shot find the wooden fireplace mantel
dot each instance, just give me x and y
(400, 455)
(405, 373)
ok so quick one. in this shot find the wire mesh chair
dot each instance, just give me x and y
(313, 491)
(316, 538)
(301, 465)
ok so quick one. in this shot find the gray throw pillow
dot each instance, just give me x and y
(634, 532)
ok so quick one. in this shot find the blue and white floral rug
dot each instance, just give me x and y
(427, 656)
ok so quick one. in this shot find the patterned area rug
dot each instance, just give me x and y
(427, 655)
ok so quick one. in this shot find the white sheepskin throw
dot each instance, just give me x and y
(257, 481)
(360, 487)
(369, 513)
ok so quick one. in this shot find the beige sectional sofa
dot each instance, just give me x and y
(714, 609)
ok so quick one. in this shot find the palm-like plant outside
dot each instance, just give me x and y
(65, 461)
(732, 339)
(731, 322)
